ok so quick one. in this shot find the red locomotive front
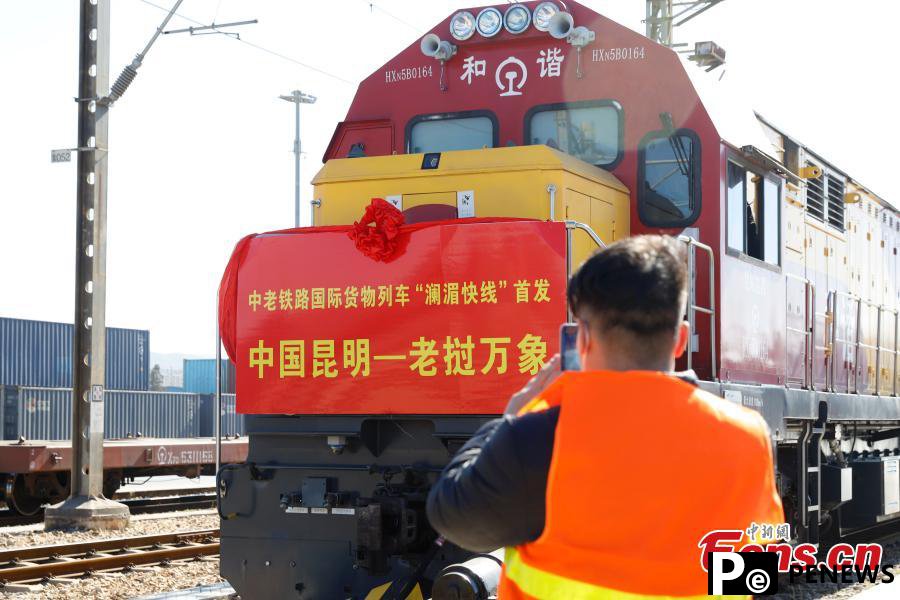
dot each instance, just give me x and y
(514, 140)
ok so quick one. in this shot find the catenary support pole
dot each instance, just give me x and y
(297, 163)
(86, 508)
(218, 422)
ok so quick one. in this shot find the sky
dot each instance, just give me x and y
(200, 145)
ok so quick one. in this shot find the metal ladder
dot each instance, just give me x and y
(692, 308)
(809, 476)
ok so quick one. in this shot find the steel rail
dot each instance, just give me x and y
(106, 563)
(53, 551)
(175, 503)
(160, 493)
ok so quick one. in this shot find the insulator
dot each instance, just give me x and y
(125, 78)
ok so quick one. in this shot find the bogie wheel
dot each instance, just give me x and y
(112, 480)
(20, 499)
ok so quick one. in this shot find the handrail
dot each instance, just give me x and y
(692, 307)
(570, 227)
(809, 329)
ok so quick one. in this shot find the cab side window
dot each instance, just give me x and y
(669, 178)
(754, 224)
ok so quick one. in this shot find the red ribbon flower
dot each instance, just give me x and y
(377, 234)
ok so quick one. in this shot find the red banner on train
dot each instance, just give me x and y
(462, 317)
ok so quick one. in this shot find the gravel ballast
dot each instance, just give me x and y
(34, 535)
(179, 575)
(161, 579)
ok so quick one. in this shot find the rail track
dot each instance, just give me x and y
(60, 562)
(137, 506)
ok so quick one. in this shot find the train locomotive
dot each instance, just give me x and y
(515, 139)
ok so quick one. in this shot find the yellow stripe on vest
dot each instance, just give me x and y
(543, 584)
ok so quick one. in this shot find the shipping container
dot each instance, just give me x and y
(200, 376)
(39, 354)
(46, 414)
(232, 421)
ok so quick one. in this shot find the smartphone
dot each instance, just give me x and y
(568, 351)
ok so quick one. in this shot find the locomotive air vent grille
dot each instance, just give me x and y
(836, 202)
(815, 198)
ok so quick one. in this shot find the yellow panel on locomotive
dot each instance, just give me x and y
(536, 182)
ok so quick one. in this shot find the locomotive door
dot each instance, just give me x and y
(845, 314)
(795, 291)
(817, 273)
(596, 213)
(890, 301)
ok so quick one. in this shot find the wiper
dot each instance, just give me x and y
(682, 158)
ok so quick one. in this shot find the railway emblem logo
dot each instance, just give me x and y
(516, 74)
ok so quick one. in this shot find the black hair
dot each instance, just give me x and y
(635, 289)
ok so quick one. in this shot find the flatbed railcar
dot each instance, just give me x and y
(36, 424)
(794, 300)
(35, 473)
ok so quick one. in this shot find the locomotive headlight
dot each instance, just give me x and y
(543, 12)
(462, 25)
(517, 19)
(489, 22)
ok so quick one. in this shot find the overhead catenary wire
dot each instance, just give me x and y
(373, 6)
(258, 47)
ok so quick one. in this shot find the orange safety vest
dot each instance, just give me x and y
(644, 465)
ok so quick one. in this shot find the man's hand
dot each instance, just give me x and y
(535, 386)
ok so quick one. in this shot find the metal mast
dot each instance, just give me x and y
(298, 98)
(663, 16)
(86, 507)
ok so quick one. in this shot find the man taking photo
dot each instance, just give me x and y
(601, 482)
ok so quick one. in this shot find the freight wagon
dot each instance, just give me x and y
(39, 353)
(38, 422)
(36, 473)
(564, 117)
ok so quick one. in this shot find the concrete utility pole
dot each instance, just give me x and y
(298, 98)
(86, 508)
